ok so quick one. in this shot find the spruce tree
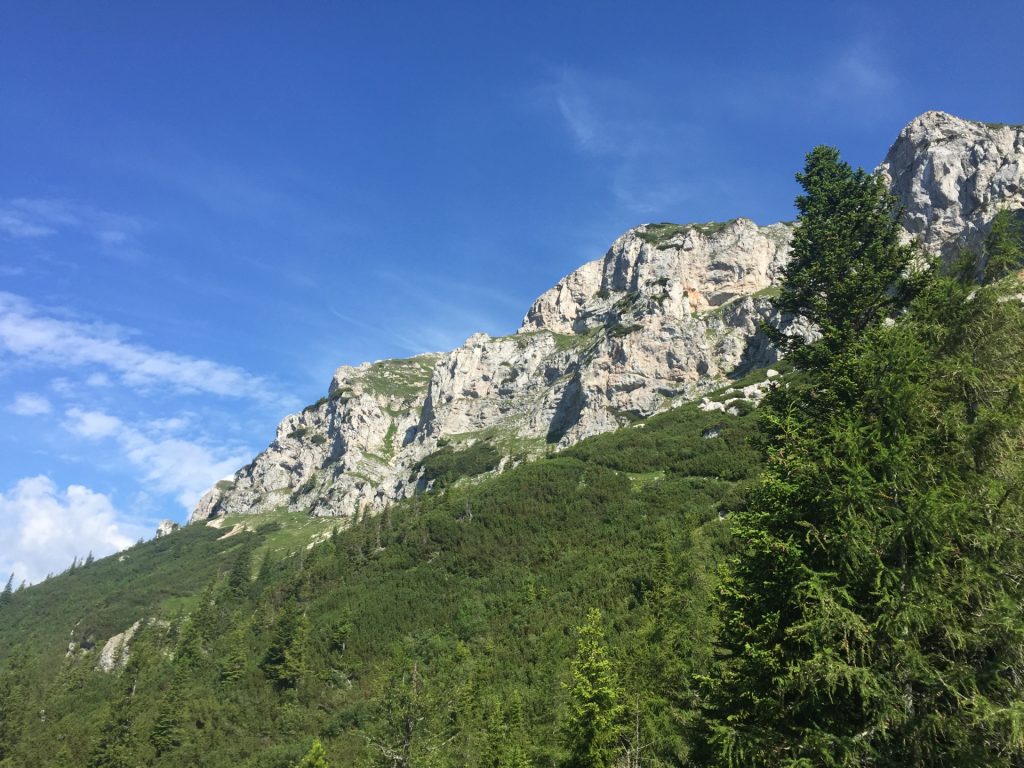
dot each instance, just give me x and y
(8, 592)
(285, 659)
(1004, 245)
(848, 268)
(239, 577)
(232, 667)
(873, 615)
(595, 709)
(167, 731)
(513, 751)
(116, 746)
(315, 758)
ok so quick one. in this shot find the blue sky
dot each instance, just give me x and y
(207, 207)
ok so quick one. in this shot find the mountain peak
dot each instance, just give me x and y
(952, 176)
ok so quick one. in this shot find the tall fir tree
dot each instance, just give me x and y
(848, 268)
(315, 758)
(595, 720)
(8, 592)
(873, 615)
(116, 745)
(1004, 245)
(167, 732)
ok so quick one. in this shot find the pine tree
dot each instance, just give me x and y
(115, 748)
(13, 706)
(285, 659)
(513, 750)
(315, 758)
(874, 613)
(167, 731)
(8, 593)
(233, 666)
(848, 268)
(1004, 245)
(240, 575)
(595, 712)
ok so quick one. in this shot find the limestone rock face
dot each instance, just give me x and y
(666, 315)
(686, 268)
(115, 651)
(953, 176)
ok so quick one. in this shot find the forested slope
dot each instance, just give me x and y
(439, 613)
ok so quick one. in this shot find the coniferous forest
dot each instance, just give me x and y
(833, 579)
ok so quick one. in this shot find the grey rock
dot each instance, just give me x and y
(953, 176)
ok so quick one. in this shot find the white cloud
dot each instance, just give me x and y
(27, 332)
(92, 425)
(43, 529)
(28, 404)
(171, 424)
(181, 467)
(37, 218)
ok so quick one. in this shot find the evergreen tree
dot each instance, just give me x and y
(115, 748)
(239, 576)
(8, 593)
(12, 710)
(513, 749)
(315, 758)
(167, 730)
(285, 659)
(874, 613)
(595, 712)
(848, 268)
(1004, 245)
(233, 666)
(401, 733)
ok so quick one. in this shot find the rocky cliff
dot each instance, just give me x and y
(952, 176)
(669, 312)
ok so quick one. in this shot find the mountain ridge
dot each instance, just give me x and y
(668, 313)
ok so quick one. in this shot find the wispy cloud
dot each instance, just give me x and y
(29, 333)
(590, 130)
(44, 528)
(29, 218)
(185, 468)
(29, 404)
(648, 150)
(437, 313)
(860, 72)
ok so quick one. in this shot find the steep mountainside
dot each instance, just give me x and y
(668, 313)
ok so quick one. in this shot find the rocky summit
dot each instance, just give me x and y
(670, 312)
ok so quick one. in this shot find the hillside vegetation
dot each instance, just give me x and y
(439, 613)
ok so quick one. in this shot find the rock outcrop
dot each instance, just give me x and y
(667, 314)
(953, 176)
(115, 651)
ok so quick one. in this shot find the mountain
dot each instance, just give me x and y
(670, 312)
(438, 629)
